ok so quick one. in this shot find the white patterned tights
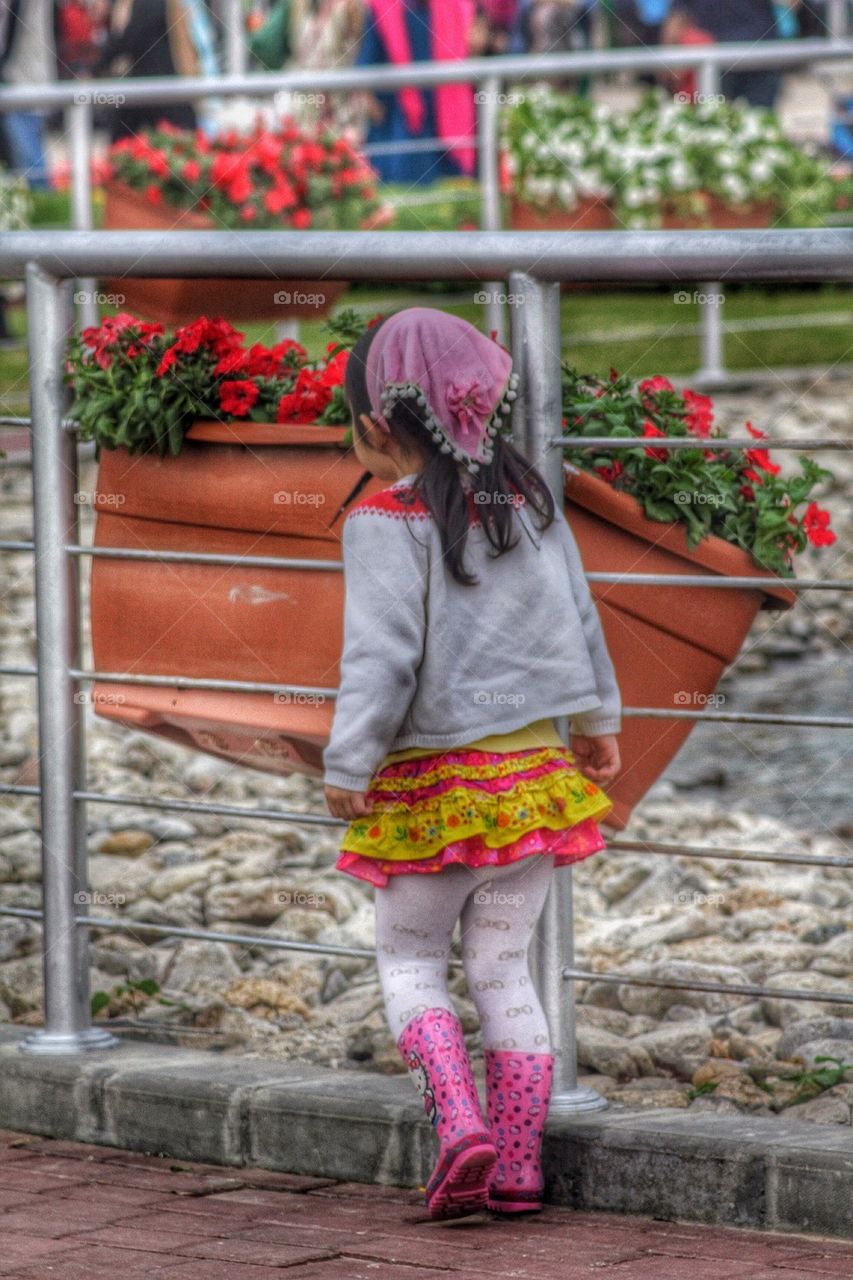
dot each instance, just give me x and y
(498, 909)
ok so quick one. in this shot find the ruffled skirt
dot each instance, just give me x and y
(478, 808)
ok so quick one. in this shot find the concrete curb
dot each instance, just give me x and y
(357, 1127)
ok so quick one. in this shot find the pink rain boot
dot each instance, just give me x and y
(518, 1088)
(433, 1047)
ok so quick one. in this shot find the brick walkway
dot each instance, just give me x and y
(75, 1212)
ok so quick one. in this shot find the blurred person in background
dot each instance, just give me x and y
(313, 34)
(494, 26)
(553, 26)
(81, 35)
(401, 31)
(729, 21)
(27, 56)
(155, 38)
(636, 22)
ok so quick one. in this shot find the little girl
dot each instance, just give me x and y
(468, 626)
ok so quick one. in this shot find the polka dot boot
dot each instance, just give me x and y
(518, 1089)
(433, 1048)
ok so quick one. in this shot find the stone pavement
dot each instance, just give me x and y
(69, 1211)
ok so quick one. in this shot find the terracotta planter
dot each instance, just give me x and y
(267, 490)
(591, 214)
(723, 217)
(244, 490)
(670, 645)
(176, 302)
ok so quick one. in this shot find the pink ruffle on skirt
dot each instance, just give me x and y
(571, 844)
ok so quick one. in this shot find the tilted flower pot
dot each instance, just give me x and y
(178, 302)
(266, 490)
(238, 489)
(669, 645)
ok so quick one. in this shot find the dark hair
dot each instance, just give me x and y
(503, 480)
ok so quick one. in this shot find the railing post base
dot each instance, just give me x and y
(48, 1043)
(575, 1101)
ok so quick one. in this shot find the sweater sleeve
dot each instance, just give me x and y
(607, 718)
(385, 572)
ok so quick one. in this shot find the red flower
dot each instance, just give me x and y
(269, 362)
(752, 475)
(307, 400)
(700, 413)
(233, 362)
(652, 385)
(761, 458)
(816, 526)
(103, 338)
(158, 164)
(612, 472)
(248, 213)
(237, 398)
(216, 336)
(153, 195)
(649, 429)
(748, 492)
(191, 171)
(753, 431)
(302, 219)
(278, 199)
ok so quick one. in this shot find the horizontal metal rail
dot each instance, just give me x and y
(723, 988)
(333, 949)
(699, 442)
(204, 935)
(138, 90)
(204, 557)
(622, 442)
(728, 854)
(196, 682)
(773, 254)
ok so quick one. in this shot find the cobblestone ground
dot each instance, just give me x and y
(74, 1212)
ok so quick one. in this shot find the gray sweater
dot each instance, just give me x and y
(428, 662)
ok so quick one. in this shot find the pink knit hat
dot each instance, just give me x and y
(462, 380)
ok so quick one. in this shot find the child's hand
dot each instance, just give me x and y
(597, 757)
(347, 804)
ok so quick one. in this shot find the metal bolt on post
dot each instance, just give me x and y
(65, 948)
(536, 355)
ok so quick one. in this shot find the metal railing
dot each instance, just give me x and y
(491, 75)
(533, 264)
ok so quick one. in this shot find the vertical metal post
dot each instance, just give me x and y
(67, 1024)
(78, 118)
(536, 355)
(836, 18)
(712, 368)
(236, 52)
(488, 120)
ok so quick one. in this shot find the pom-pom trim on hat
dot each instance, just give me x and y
(392, 392)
